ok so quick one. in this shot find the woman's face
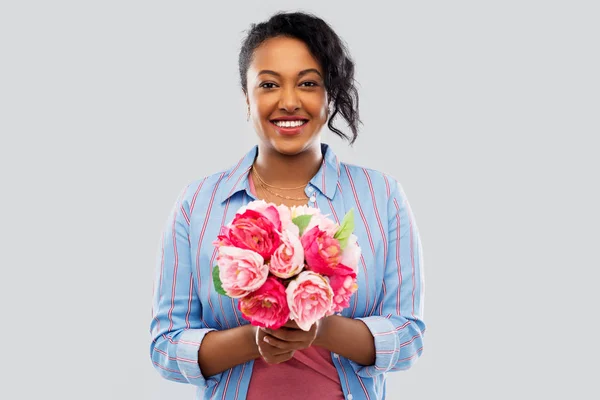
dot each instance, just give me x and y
(286, 95)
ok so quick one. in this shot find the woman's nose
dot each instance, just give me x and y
(289, 100)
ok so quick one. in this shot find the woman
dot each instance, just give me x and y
(296, 77)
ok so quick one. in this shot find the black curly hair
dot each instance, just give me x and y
(327, 48)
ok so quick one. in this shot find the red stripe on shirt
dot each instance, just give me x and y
(383, 237)
(398, 262)
(196, 195)
(201, 239)
(366, 224)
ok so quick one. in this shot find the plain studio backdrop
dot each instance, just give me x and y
(486, 112)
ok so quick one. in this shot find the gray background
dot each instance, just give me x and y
(108, 108)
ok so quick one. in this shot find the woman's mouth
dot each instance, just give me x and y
(289, 127)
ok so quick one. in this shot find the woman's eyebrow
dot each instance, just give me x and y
(306, 71)
(301, 73)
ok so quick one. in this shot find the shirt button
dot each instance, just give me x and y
(350, 397)
(312, 198)
(336, 355)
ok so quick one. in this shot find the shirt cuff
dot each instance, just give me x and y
(187, 356)
(385, 338)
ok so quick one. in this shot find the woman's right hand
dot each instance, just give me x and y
(269, 353)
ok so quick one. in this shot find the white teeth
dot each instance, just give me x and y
(289, 124)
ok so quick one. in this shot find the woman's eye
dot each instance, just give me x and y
(308, 84)
(267, 85)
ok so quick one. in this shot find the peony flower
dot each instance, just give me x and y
(343, 284)
(323, 223)
(309, 298)
(252, 230)
(241, 271)
(321, 250)
(285, 215)
(269, 210)
(288, 259)
(317, 219)
(351, 254)
(266, 307)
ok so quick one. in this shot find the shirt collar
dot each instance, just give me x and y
(325, 180)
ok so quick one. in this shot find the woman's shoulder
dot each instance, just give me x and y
(361, 176)
(203, 186)
(218, 186)
(375, 187)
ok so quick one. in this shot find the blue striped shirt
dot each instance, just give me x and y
(390, 293)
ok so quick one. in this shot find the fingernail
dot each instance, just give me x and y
(266, 339)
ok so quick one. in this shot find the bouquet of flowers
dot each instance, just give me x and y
(286, 263)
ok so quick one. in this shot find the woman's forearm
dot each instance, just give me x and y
(348, 337)
(222, 350)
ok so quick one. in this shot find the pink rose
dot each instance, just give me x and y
(288, 259)
(324, 223)
(309, 297)
(241, 271)
(251, 230)
(343, 284)
(321, 250)
(351, 253)
(266, 307)
(285, 215)
(269, 210)
(317, 219)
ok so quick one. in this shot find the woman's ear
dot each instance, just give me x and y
(248, 107)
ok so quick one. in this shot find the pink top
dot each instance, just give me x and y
(310, 374)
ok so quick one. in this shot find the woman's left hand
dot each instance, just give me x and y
(290, 336)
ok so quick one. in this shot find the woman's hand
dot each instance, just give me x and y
(278, 345)
(289, 337)
(270, 353)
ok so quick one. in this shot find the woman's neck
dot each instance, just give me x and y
(288, 171)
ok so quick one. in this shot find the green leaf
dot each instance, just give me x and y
(346, 229)
(217, 281)
(301, 222)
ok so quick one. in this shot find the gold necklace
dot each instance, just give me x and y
(264, 186)
(275, 187)
(285, 197)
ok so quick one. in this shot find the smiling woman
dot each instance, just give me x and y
(296, 76)
(286, 95)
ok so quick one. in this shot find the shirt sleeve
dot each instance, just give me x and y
(177, 328)
(398, 328)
